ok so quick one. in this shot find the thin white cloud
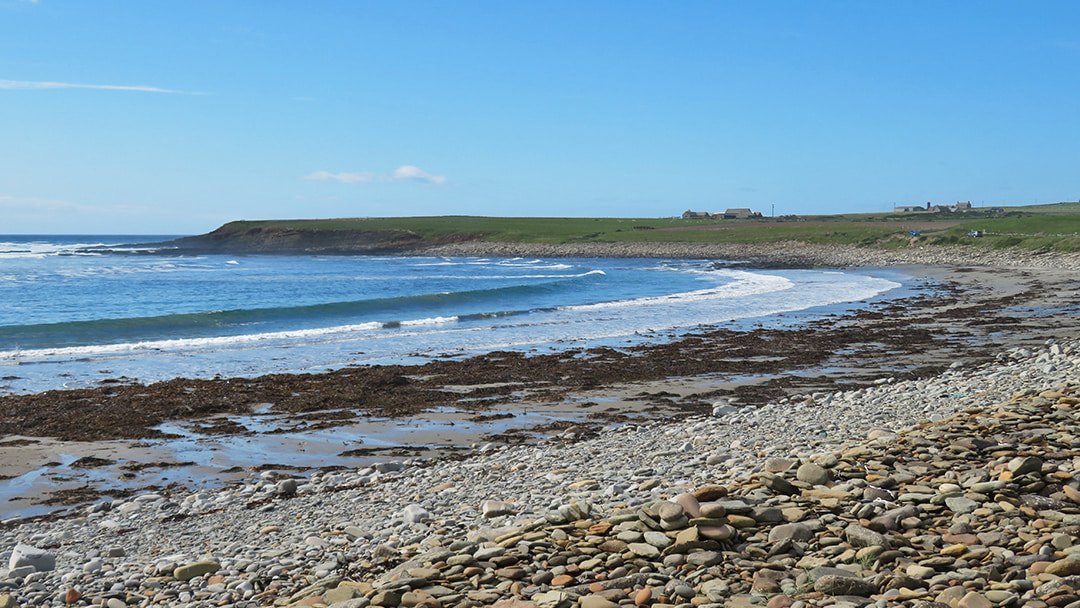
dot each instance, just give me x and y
(360, 177)
(404, 173)
(35, 85)
(411, 173)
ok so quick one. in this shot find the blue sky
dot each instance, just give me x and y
(173, 117)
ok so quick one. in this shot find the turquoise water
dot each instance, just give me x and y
(71, 316)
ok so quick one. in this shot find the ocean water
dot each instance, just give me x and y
(72, 316)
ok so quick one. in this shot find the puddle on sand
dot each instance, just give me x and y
(283, 440)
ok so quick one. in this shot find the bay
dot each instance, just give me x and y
(72, 315)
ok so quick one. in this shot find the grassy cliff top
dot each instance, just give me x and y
(1041, 227)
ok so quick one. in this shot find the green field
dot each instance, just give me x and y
(1041, 227)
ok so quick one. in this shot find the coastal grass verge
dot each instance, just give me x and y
(1041, 227)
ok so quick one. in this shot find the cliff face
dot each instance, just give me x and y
(275, 240)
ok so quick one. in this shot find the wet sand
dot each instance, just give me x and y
(71, 447)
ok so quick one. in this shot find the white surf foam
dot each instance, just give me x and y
(744, 284)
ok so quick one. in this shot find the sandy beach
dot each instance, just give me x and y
(55, 451)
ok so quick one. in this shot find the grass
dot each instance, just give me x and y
(1040, 227)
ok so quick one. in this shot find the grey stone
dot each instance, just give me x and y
(812, 474)
(832, 584)
(794, 531)
(864, 537)
(414, 514)
(28, 555)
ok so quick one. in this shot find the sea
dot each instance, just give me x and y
(79, 310)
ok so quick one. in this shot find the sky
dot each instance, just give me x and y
(174, 117)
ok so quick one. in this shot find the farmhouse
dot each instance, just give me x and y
(696, 215)
(960, 206)
(740, 214)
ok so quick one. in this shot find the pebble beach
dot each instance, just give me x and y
(953, 490)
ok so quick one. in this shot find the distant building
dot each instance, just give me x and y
(696, 215)
(740, 214)
(960, 206)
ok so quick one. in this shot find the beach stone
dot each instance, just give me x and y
(190, 571)
(658, 539)
(794, 531)
(710, 493)
(890, 520)
(960, 504)
(552, 599)
(1071, 493)
(767, 581)
(495, 508)
(1069, 566)
(286, 487)
(778, 465)
(92, 566)
(831, 584)
(974, 599)
(777, 483)
(28, 555)
(723, 532)
(863, 537)
(690, 504)
(711, 510)
(670, 512)
(723, 408)
(704, 559)
(1023, 465)
(414, 514)
(644, 550)
(341, 593)
(596, 601)
(7, 601)
(813, 474)
(390, 598)
(513, 602)
(920, 572)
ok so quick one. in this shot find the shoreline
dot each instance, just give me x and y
(955, 487)
(915, 339)
(784, 254)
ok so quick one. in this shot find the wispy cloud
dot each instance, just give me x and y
(360, 177)
(415, 174)
(35, 85)
(404, 173)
